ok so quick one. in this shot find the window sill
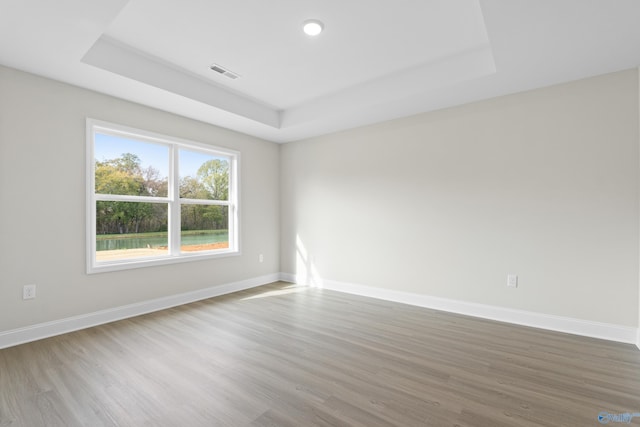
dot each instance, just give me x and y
(109, 266)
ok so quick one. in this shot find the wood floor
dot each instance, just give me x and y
(282, 355)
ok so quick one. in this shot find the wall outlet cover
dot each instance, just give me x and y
(28, 291)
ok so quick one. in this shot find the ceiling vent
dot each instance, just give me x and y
(225, 72)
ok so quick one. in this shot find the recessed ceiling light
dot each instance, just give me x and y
(312, 27)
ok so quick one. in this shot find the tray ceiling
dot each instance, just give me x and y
(375, 60)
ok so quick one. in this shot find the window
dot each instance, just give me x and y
(154, 199)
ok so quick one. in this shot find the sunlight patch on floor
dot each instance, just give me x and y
(292, 289)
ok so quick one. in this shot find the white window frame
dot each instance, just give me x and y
(173, 199)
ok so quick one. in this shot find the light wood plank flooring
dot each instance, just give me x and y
(282, 355)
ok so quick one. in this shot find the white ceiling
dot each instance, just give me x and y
(376, 59)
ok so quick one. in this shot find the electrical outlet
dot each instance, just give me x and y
(512, 280)
(28, 291)
(261, 258)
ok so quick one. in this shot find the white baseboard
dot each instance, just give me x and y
(291, 278)
(48, 329)
(607, 331)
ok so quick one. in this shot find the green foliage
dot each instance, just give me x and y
(214, 175)
(191, 188)
(129, 217)
(125, 176)
(196, 217)
(210, 183)
(110, 179)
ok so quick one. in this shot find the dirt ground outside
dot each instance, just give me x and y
(153, 252)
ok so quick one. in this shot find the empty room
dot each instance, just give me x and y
(319, 213)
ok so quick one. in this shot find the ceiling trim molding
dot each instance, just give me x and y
(128, 62)
(466, 65)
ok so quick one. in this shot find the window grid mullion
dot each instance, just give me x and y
(174, 204)
(129, 198)
(205, 202)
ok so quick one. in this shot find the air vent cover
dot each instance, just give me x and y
(224, 71)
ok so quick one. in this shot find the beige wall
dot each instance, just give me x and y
(543, 184)
(42, 190)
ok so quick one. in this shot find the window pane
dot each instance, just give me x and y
(204, 228)
(203, 176)
(130, 167)
(133, 200)
(130, 230)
